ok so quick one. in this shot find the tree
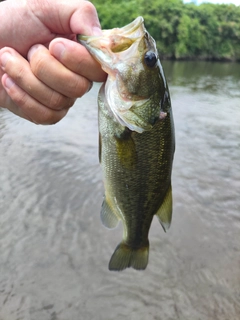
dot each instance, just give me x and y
(207, 31)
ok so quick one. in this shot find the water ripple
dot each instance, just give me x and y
(54, 251)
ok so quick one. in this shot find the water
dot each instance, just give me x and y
(54, 251)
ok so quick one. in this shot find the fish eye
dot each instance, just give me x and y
(150, 59)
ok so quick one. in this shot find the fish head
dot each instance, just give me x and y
(136, 90)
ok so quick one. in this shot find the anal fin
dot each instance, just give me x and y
(164, 213)
(108, 217)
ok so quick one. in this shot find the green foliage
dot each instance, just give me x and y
(182, 31)
(114, 13)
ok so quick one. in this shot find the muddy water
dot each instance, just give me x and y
(54, 251)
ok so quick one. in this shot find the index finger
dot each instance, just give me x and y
(76, 58)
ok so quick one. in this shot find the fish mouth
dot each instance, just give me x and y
(111, 46)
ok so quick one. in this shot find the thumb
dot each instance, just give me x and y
(85, 20)
(68, 17)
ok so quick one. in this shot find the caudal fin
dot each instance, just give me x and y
(125, 256)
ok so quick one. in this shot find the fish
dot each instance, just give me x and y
(136, 138)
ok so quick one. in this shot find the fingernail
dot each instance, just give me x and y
(58, 49)
(4, 59)
(8, 83)
(96, 31)
(32, 50)
(90, 86)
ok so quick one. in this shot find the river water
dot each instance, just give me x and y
(54, 252)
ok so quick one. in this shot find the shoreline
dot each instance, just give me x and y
(199, 59)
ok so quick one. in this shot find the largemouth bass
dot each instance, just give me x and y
(136, 138)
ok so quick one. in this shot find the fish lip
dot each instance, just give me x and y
(128, 29)
(132, 31)
(103, 47)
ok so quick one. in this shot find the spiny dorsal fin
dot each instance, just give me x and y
(108, 217)
(164, 213)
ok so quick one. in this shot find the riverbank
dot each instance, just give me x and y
(209, 59)
(182, 31)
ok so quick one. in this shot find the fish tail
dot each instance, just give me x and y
(125, 256)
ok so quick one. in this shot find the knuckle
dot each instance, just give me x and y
(89, 7)
(69, 103)
(84, 67)
(18, 74)
(49, 117)
(59, 102)
(56, 101)
(78, 87)
(20, 98)
(57, 117)
(37, 65)
(38, 113)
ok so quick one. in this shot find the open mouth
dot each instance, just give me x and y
(106, 48)
(115, 40)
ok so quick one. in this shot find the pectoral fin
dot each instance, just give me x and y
(164, 213)
(108, 217)
(126, 150)
(135, 122)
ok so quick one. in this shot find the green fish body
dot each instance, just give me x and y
(136, 139)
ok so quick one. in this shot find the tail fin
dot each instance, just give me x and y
(125, 256)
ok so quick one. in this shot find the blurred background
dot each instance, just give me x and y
(183, 30)
(54, 252)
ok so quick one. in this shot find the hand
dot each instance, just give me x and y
(43, 87)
